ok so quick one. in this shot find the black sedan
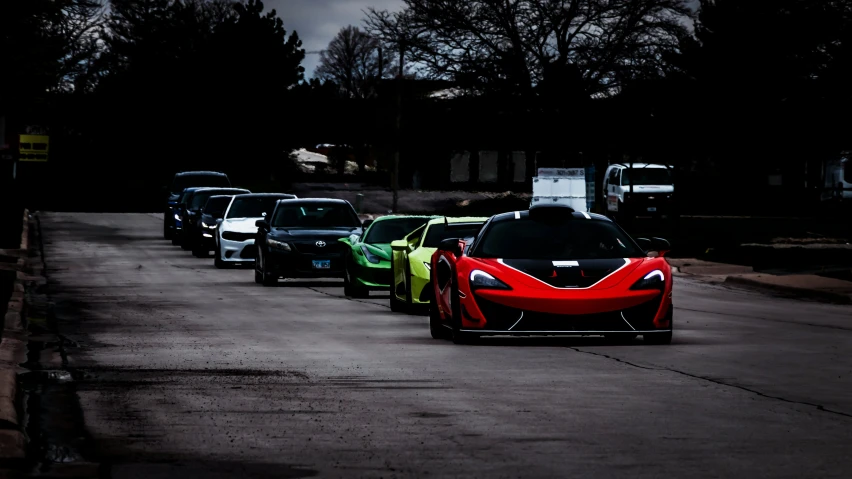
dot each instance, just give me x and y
(190, 213)
(300, 239)
(211, 215)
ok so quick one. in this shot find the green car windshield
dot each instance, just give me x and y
(386, 231)
(438, 233)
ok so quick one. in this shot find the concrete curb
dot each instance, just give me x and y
(791, 290)
(13, 347)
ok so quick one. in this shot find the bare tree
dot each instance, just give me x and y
(354, 60)
(518, 47)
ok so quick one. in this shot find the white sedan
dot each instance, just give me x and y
(236, 230)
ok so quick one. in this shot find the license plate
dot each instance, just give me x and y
(322, 264)
(652, 209)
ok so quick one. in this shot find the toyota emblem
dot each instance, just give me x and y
(320, 244)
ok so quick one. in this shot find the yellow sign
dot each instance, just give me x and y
(33, 147)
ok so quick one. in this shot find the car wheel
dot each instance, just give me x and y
(459, 336)
(186, 243)
(620, 338)
(217, 260)
(436, 328)
(660, 338)
(199, 251)
(396, 305)
(266, 278)
(349, 288)
(258, 274)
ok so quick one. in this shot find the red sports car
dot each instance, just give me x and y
(551, 271)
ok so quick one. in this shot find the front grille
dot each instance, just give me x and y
(234, 236)
(309, 247)
(501, 318)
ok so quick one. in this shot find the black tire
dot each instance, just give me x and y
(458, 336)
(217, 259)
(175, 239)
(258, 274)
(350, 289)
(396, 305)
(660, 338)
(620, 338)
(436, 327)
(199, 251)
(409, 303)
(266, 278)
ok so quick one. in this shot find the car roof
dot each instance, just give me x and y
(642, 165)
(513, 215)
(219, 188)
(226, 196)
(268, 195)
(458, 219)
(207, 173)
(397, 217)
(313, 200)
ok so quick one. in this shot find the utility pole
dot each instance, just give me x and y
(395, 175)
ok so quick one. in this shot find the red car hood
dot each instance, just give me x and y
(590, 274)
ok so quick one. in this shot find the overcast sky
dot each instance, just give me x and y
(317, 21)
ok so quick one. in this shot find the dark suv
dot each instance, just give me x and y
(187, 179)
(300, 239)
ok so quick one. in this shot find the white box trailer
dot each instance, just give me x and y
(564, 186)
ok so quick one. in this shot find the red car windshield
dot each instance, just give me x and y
(571, 239)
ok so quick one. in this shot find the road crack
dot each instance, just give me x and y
(818, 407)
(347, 298)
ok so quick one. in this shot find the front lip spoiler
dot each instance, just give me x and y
(560, 333)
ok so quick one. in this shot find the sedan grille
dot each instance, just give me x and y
(234, 236)
(310, 247)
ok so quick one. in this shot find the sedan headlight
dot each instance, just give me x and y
(482, 280)
(279, 245)
(653, 280)
(177, 216)
(205, 225)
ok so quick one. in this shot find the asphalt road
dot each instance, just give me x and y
(192, 371)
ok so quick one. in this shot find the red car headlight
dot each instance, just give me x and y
(654, 280)
(481, 280)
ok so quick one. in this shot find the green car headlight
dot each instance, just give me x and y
(369, 255)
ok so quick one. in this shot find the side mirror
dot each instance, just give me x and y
(219, 220)
(655, 247)
(451, 245)
(662, 246)
(263, 214)
(399, 245)
(262, 224)
(366, 224)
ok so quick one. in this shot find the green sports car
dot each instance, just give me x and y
(367, 260)
(412, 255)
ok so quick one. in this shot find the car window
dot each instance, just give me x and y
(439, 232)
(216, 206)
(646, 176)
(199, 199)
(570, 239)
(315, 215)
(613, 176)
(188, 181)
(386, 231)
(252, 206)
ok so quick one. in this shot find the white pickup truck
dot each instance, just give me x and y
(651, 194)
